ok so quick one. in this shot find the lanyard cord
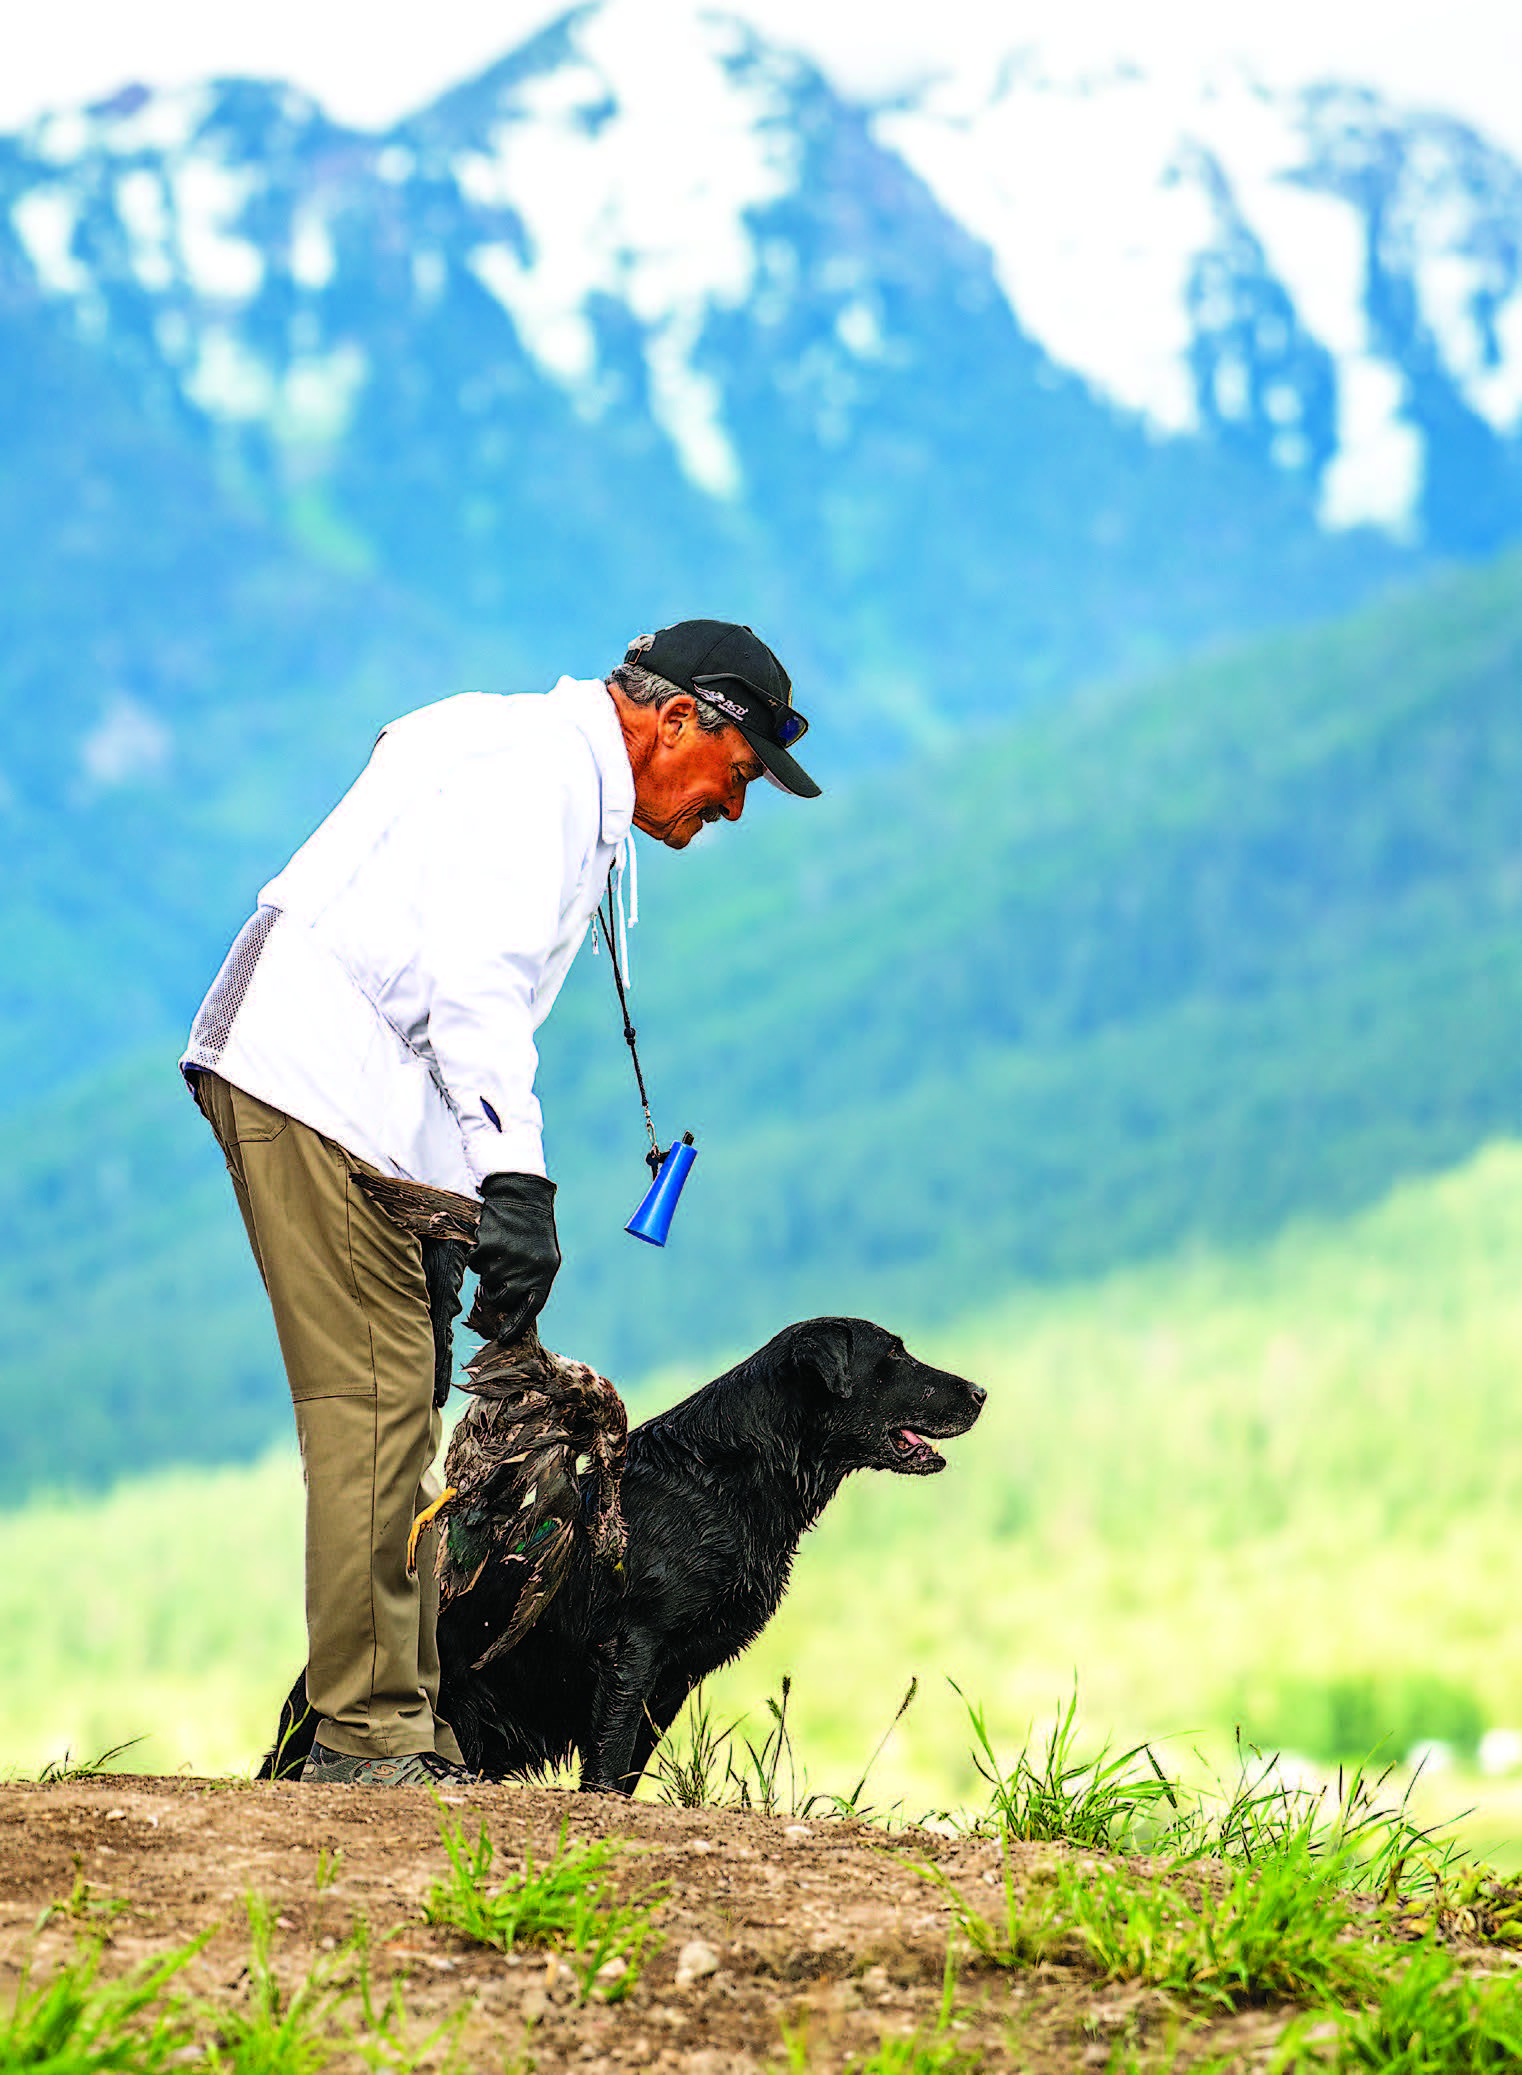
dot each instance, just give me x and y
(653, 1157)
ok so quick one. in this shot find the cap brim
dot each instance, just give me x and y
(784, 771)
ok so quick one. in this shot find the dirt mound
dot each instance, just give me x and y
(822, 1927)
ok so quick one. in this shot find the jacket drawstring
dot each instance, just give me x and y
(633, 857)
(623, 902)
(624, 889)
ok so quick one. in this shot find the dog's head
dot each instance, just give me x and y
(872, 1403)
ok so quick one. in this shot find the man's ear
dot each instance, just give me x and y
(825, 1346)
(675, 715)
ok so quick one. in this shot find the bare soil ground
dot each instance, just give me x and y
(821, 1926)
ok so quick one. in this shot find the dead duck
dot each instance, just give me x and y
(539, 1426)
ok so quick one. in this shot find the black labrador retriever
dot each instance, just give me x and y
(716, 1494)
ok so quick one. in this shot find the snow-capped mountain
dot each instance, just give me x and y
(1023, 377)
(1329, 280)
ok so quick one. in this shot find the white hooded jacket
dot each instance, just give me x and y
(388, 989)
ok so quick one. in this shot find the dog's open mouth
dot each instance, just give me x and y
(911, 1451)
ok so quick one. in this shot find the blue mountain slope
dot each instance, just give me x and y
(183, 692)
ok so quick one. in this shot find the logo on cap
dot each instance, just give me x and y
(724, 703)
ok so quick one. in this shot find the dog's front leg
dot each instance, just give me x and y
(618, 1709)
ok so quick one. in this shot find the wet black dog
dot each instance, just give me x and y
(716, 1494)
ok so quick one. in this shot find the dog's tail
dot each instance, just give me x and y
(295, 1735)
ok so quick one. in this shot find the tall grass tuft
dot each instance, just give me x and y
(1272, 1933)
(691, 1769)
(280, 2031)
(1261, 1816)
(331, 2013)
(699, 1766)
(58, 1772)
(1106, 1803)
(1126, 1802)
(1427, 2018)
(566, 1905)
(77, 2024)
(141, 2023)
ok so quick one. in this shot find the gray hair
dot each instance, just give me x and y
(644, 688)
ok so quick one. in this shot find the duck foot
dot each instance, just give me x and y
(425, 1519)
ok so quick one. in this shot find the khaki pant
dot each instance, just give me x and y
(351, 1310)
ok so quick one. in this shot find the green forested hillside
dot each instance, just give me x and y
(1169, 963)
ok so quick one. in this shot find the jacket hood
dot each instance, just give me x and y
(589, 704)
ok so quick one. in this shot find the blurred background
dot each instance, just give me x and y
(1117, 429)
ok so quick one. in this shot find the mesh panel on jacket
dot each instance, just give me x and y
(214, 1020)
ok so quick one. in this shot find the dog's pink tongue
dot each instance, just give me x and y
(914, 1440)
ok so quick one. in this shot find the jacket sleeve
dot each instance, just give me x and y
(515, 837)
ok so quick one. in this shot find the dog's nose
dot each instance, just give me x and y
(978, 1393)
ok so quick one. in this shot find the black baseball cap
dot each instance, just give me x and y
(736, 673)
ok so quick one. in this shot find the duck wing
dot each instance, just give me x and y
(514, 1469)
(445, 1226)
(416, 1207)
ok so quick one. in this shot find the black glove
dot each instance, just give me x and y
(516, 1253)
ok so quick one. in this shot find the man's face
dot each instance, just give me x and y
(694, 775)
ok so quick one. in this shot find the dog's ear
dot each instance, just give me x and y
(826, 1345)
